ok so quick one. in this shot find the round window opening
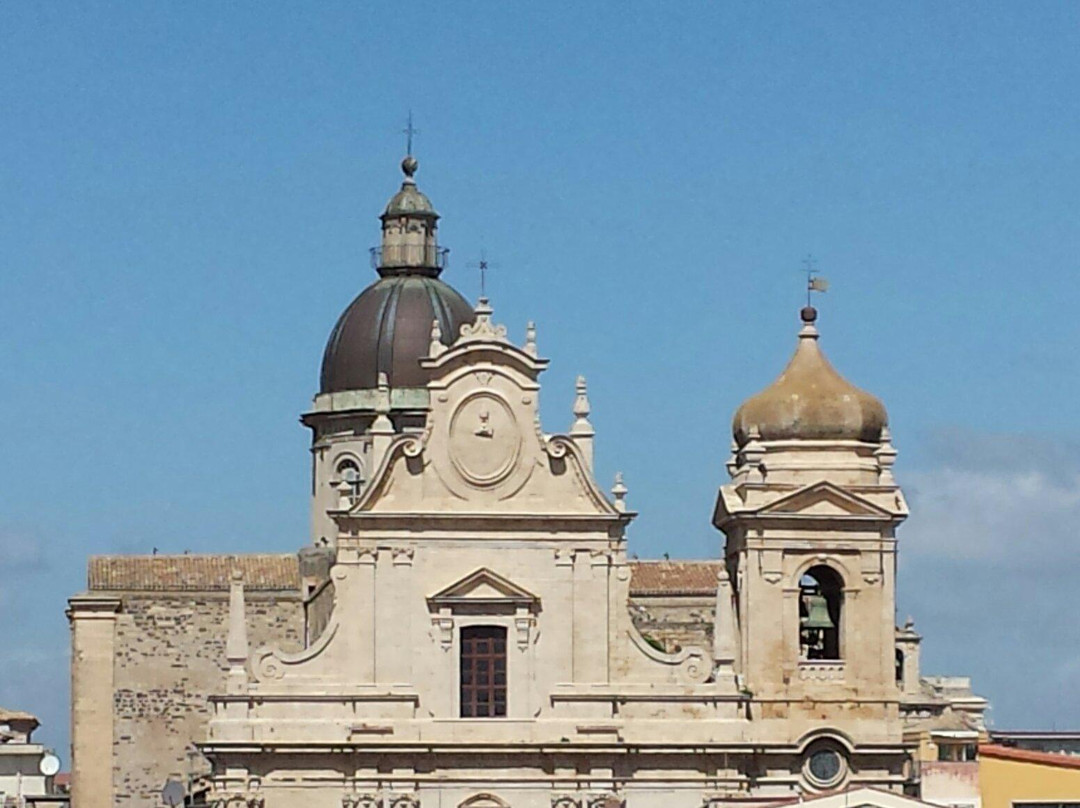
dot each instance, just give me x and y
(824, 767)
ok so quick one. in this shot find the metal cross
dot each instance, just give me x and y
(483, 265)
(409, 131)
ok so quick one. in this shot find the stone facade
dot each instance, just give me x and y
(153, 627)
(467, 630)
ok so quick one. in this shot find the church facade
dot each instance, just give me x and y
(467, 630)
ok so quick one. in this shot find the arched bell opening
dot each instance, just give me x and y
(899, 668)
(821, 596)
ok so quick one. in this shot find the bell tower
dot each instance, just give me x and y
(810, 516)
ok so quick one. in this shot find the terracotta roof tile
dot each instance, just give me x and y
(1029, 756)
(187, 573)
(673, 577)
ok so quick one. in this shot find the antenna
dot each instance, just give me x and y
(814, 283)
(409, 131)
(483, 265)
(49, 764)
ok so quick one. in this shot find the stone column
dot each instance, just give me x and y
(93, 629)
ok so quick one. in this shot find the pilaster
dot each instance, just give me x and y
(93, 631)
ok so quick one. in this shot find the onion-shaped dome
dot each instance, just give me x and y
(810, 400)
(387, 329)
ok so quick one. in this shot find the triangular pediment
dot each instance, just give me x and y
(483, 586)
(823, 499)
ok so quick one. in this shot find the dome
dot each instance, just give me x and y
(410, 199)
(810, 400)
(387, 329)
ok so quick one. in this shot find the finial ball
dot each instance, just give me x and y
(409, 165)
(808, 314)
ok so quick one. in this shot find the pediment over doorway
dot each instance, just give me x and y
(483, 588)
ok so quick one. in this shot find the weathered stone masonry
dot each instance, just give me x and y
(169, 654)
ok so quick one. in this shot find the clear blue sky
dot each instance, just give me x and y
(188, 192)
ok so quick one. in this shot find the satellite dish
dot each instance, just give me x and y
(173, 793)
(49, 764)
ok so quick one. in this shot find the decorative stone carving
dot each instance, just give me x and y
(436, 347)
(618, 491)
(442, 626)
(600, 558)
(485, 439)
(249, 797)
(523, 627)
(482, 328)
(821, 670)
(871, 567)
(530, 339)
(692, 665)
(409, 800)
(566, 801)
(403, 556)
(771, 569)
(886, 457)
(367, 800)
(604, 799)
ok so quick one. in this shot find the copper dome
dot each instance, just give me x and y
(387, 329)
(810, 401)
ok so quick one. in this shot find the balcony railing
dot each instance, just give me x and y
(821, 670)
(410, 255)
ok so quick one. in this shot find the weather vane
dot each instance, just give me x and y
(483, 265)
(814, 282)
(409, 131)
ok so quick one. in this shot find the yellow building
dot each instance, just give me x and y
(1019, 777)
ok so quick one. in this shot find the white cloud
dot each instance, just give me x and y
(989, 562)
(1020, 516)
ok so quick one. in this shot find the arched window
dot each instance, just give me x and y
(821, 596)
(349, 471)
(899, 667)
(483, 672)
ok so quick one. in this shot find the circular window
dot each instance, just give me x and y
(824, 766)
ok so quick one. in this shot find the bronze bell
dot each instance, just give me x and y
(817, 612)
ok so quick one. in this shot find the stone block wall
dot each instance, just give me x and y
(169, 658)
(148, 643)
(675, 622)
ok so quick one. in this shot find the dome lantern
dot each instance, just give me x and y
(409, 228)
